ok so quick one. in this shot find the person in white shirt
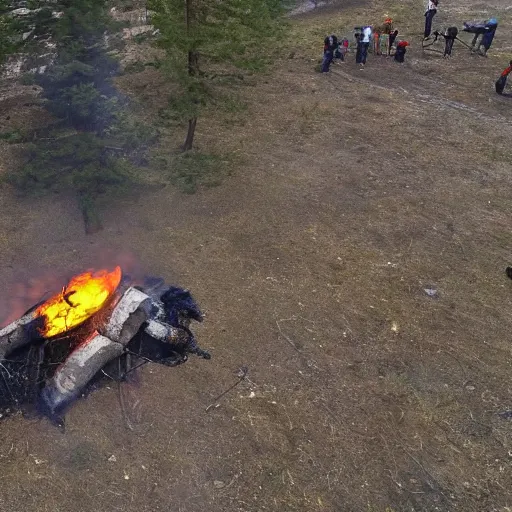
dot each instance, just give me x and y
(429, 16)
(365, 39)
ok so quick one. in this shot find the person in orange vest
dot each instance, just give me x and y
(376, 42)
(502, 80)
(388, 26)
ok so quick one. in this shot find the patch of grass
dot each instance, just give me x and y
(311, 115)
(260, 64)
(134, 67)
(141, 38)
(234, 105)
(12, 136)
(176, 113)
(153, 64)
(232, 109)
(28, 79)
(125, 5)
(190, 170)
(498, 155)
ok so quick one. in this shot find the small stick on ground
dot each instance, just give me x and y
(427, 473)
(242, 374)
(285, 336)
(310, 363)
(122, 403)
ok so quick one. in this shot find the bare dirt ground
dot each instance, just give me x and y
(358, 191)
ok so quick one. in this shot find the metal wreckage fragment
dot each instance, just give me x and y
(147, 327)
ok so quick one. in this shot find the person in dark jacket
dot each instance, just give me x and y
(401, 49)
(357, 37)
(449, 38)
(392, 39)
(330, 45)
(429, 16)
(338, 53)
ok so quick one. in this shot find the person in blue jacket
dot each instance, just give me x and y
(488, 36)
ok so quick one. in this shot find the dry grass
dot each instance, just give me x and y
(358, 190)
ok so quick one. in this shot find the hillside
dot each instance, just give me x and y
(342, 197)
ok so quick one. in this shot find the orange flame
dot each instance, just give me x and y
(83, 296)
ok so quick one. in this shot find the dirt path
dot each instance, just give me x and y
(359, 190)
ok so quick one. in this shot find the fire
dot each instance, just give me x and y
(83, 296)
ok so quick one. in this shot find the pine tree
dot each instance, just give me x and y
(88, 150)
(9, 32)
(78, 85)
(201, 35)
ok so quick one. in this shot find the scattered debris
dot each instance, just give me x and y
(112, 458)
(431, 292)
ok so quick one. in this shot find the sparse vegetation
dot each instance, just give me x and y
(192, 169)
(200, 37)
(12, 136)
(94, 147)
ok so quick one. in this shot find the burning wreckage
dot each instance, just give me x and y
(98, 326)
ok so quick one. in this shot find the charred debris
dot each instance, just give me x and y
(43, 373)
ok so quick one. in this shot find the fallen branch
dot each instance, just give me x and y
(242, 374)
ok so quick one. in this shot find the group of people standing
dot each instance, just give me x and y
(333, 49)
(382, 40)
(483, 30)
(450, 35)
